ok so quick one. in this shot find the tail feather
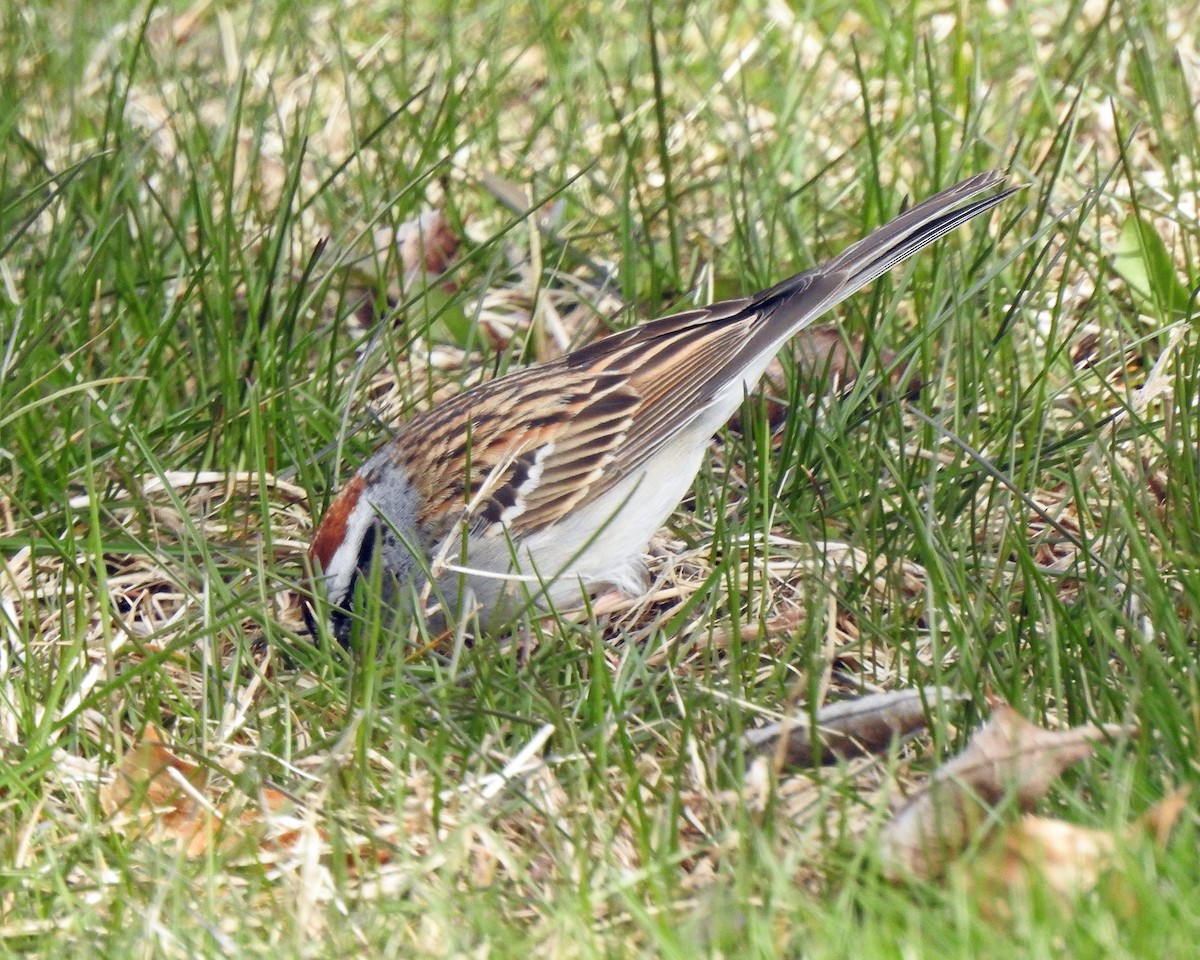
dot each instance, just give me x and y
(888, 254)
(795, 302)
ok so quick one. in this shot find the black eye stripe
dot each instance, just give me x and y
(366, 555)
(366, 548)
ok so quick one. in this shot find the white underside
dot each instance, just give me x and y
(601, 543)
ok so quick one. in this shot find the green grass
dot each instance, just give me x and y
(188, 201)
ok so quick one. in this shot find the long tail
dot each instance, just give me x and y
(797, 300)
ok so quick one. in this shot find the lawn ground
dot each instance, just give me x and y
(239, 243)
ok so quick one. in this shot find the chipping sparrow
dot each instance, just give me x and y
(551, 480)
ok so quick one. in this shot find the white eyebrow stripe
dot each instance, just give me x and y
(343, 565)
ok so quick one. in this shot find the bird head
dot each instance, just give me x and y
(371, 520)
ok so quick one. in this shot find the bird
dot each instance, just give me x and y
(543, 485)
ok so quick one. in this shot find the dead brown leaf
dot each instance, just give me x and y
(427, 245)
(827, 360)
(849, 728)
(1008, 758)
(1063, 859)
(1161, 818)
(157, 794)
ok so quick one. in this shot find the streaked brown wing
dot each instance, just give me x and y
(540, 441)
(535, 443)
(677, 373)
